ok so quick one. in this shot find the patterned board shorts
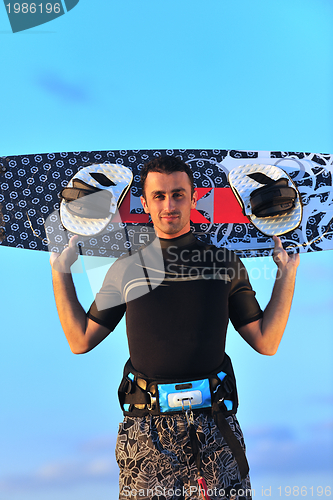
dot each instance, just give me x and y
(156, 463)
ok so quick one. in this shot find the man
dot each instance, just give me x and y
(176, 327)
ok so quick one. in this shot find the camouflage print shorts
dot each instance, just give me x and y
(156, 463)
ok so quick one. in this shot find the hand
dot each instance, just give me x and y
(281, 258)
(63, 262)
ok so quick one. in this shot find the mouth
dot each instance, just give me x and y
(170, 217)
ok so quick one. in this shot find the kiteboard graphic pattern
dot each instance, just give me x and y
(30, 187)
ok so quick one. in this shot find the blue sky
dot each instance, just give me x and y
(136, 75)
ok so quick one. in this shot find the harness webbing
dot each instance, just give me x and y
(197, 458)
(231, 440)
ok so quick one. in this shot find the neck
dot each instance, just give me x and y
(178, 242)
(167, 236)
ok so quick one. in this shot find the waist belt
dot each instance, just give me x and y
(139, 396)
(173, 397)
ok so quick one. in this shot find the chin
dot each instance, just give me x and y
(170, 231)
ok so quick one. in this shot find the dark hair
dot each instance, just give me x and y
(166, 165)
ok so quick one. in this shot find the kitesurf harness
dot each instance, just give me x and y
(139, 396)
(276, 197)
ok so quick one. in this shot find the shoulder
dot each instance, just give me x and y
(118, 268)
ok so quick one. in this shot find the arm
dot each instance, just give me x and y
(82, 333)
(265, 334)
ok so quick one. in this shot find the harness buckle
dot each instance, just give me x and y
(189, 417)
(129, 385)
(153, 401)
(188, 413)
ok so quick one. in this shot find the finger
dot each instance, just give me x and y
(277, 243)
(73, 245)
(73, 241)
(278, 248)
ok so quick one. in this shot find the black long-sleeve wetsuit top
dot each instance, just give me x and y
(178, 296)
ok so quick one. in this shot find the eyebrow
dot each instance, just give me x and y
(177, 190)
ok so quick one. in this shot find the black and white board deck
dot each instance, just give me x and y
(30, 187)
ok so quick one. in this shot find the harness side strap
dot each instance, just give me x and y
(136, 396)
(231, 440)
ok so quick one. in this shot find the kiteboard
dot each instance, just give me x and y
(230, 213)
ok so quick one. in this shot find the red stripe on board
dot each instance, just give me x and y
(226, 207)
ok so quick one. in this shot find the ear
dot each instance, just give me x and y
(194, 200)
(144, 204)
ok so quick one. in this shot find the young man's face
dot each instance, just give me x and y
(169, 202)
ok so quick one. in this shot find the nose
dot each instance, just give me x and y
(169, 204)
